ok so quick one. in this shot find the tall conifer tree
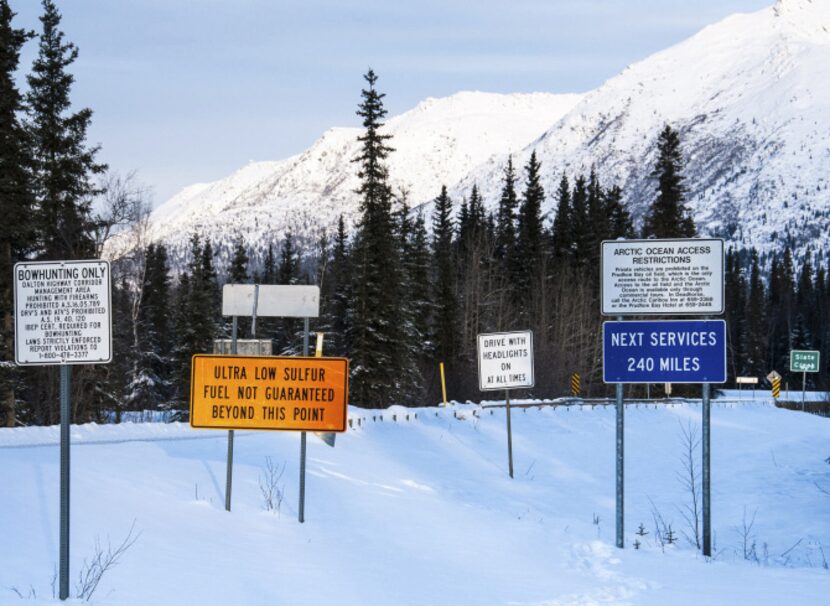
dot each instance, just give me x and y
(668, 216)
(756, 320)
(340, 284)
(530, 248)
(17, 229)
(561, 240)
(506, 217)
(64, 164)
(446, 305)
(378, 357)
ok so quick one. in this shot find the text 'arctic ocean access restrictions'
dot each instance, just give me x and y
(667, 351)
(62, 312)
(505, 360)
(662, 277)
(277, 393)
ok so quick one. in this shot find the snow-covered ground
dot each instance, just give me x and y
(422, 511)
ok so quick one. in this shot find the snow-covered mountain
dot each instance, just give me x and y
(750, 96)
(438, 142)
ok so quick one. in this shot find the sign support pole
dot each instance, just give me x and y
(707, 497)
(509, 433)
(620, 462)
(803, 389)
(303, 438)
(229, 471)
(66, 412)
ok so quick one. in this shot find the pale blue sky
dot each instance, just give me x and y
(186, 91)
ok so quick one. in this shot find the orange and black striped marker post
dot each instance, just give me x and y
(576, 385)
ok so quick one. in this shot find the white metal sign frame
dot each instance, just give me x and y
(507, 359)
(272, 300)
(662, 277)
(63, 313)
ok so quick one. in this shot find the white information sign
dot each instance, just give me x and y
(62, 313)
(505, 360)
(662, 277)
(272, 300)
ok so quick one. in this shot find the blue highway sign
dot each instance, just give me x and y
(669, 351)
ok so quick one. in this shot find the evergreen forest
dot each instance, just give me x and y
(406, 289)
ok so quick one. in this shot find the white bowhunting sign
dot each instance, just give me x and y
(662, 277)
(62, 313)
(505, 360)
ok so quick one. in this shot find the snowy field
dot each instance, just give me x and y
(423, 511)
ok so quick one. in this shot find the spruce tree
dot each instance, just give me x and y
(668, 216)
(822, 331)
(506, 217)
(780, 305)
(581, 231)
(117, 387)
(340, 286)
(418, 265)
(471, 223)
(446, 305)
(735, 306)
(17, 229)
(151, 387)
(561, 240)
(756, 320)
(286, 341)
(288, 267)
(378, 358)
(269, 266)
(802, 331)
(64, 164)
(415, 309)
(183, 346)
(530, 244)
(599, 219)
(198, 303)
(238, 272)
(62, 177)
(621, 224)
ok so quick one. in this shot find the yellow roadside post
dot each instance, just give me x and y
(443, 384)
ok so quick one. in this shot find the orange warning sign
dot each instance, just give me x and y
(253, 392)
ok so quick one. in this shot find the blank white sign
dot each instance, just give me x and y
(274, 300)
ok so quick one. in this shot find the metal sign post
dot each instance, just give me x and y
(66, 413)
(229, 459)
(620, 466)
(272, 301)
(620, 448)
(509, 434)
(505, 361)
(62, 316)
(662, 277)
(707, 500)
(235, 351)
(301, 508)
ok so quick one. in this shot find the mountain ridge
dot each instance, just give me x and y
(747, 94)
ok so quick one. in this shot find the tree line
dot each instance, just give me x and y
(411, 288)
(406, 289)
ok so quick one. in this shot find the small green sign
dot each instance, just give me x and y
(804, 361)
